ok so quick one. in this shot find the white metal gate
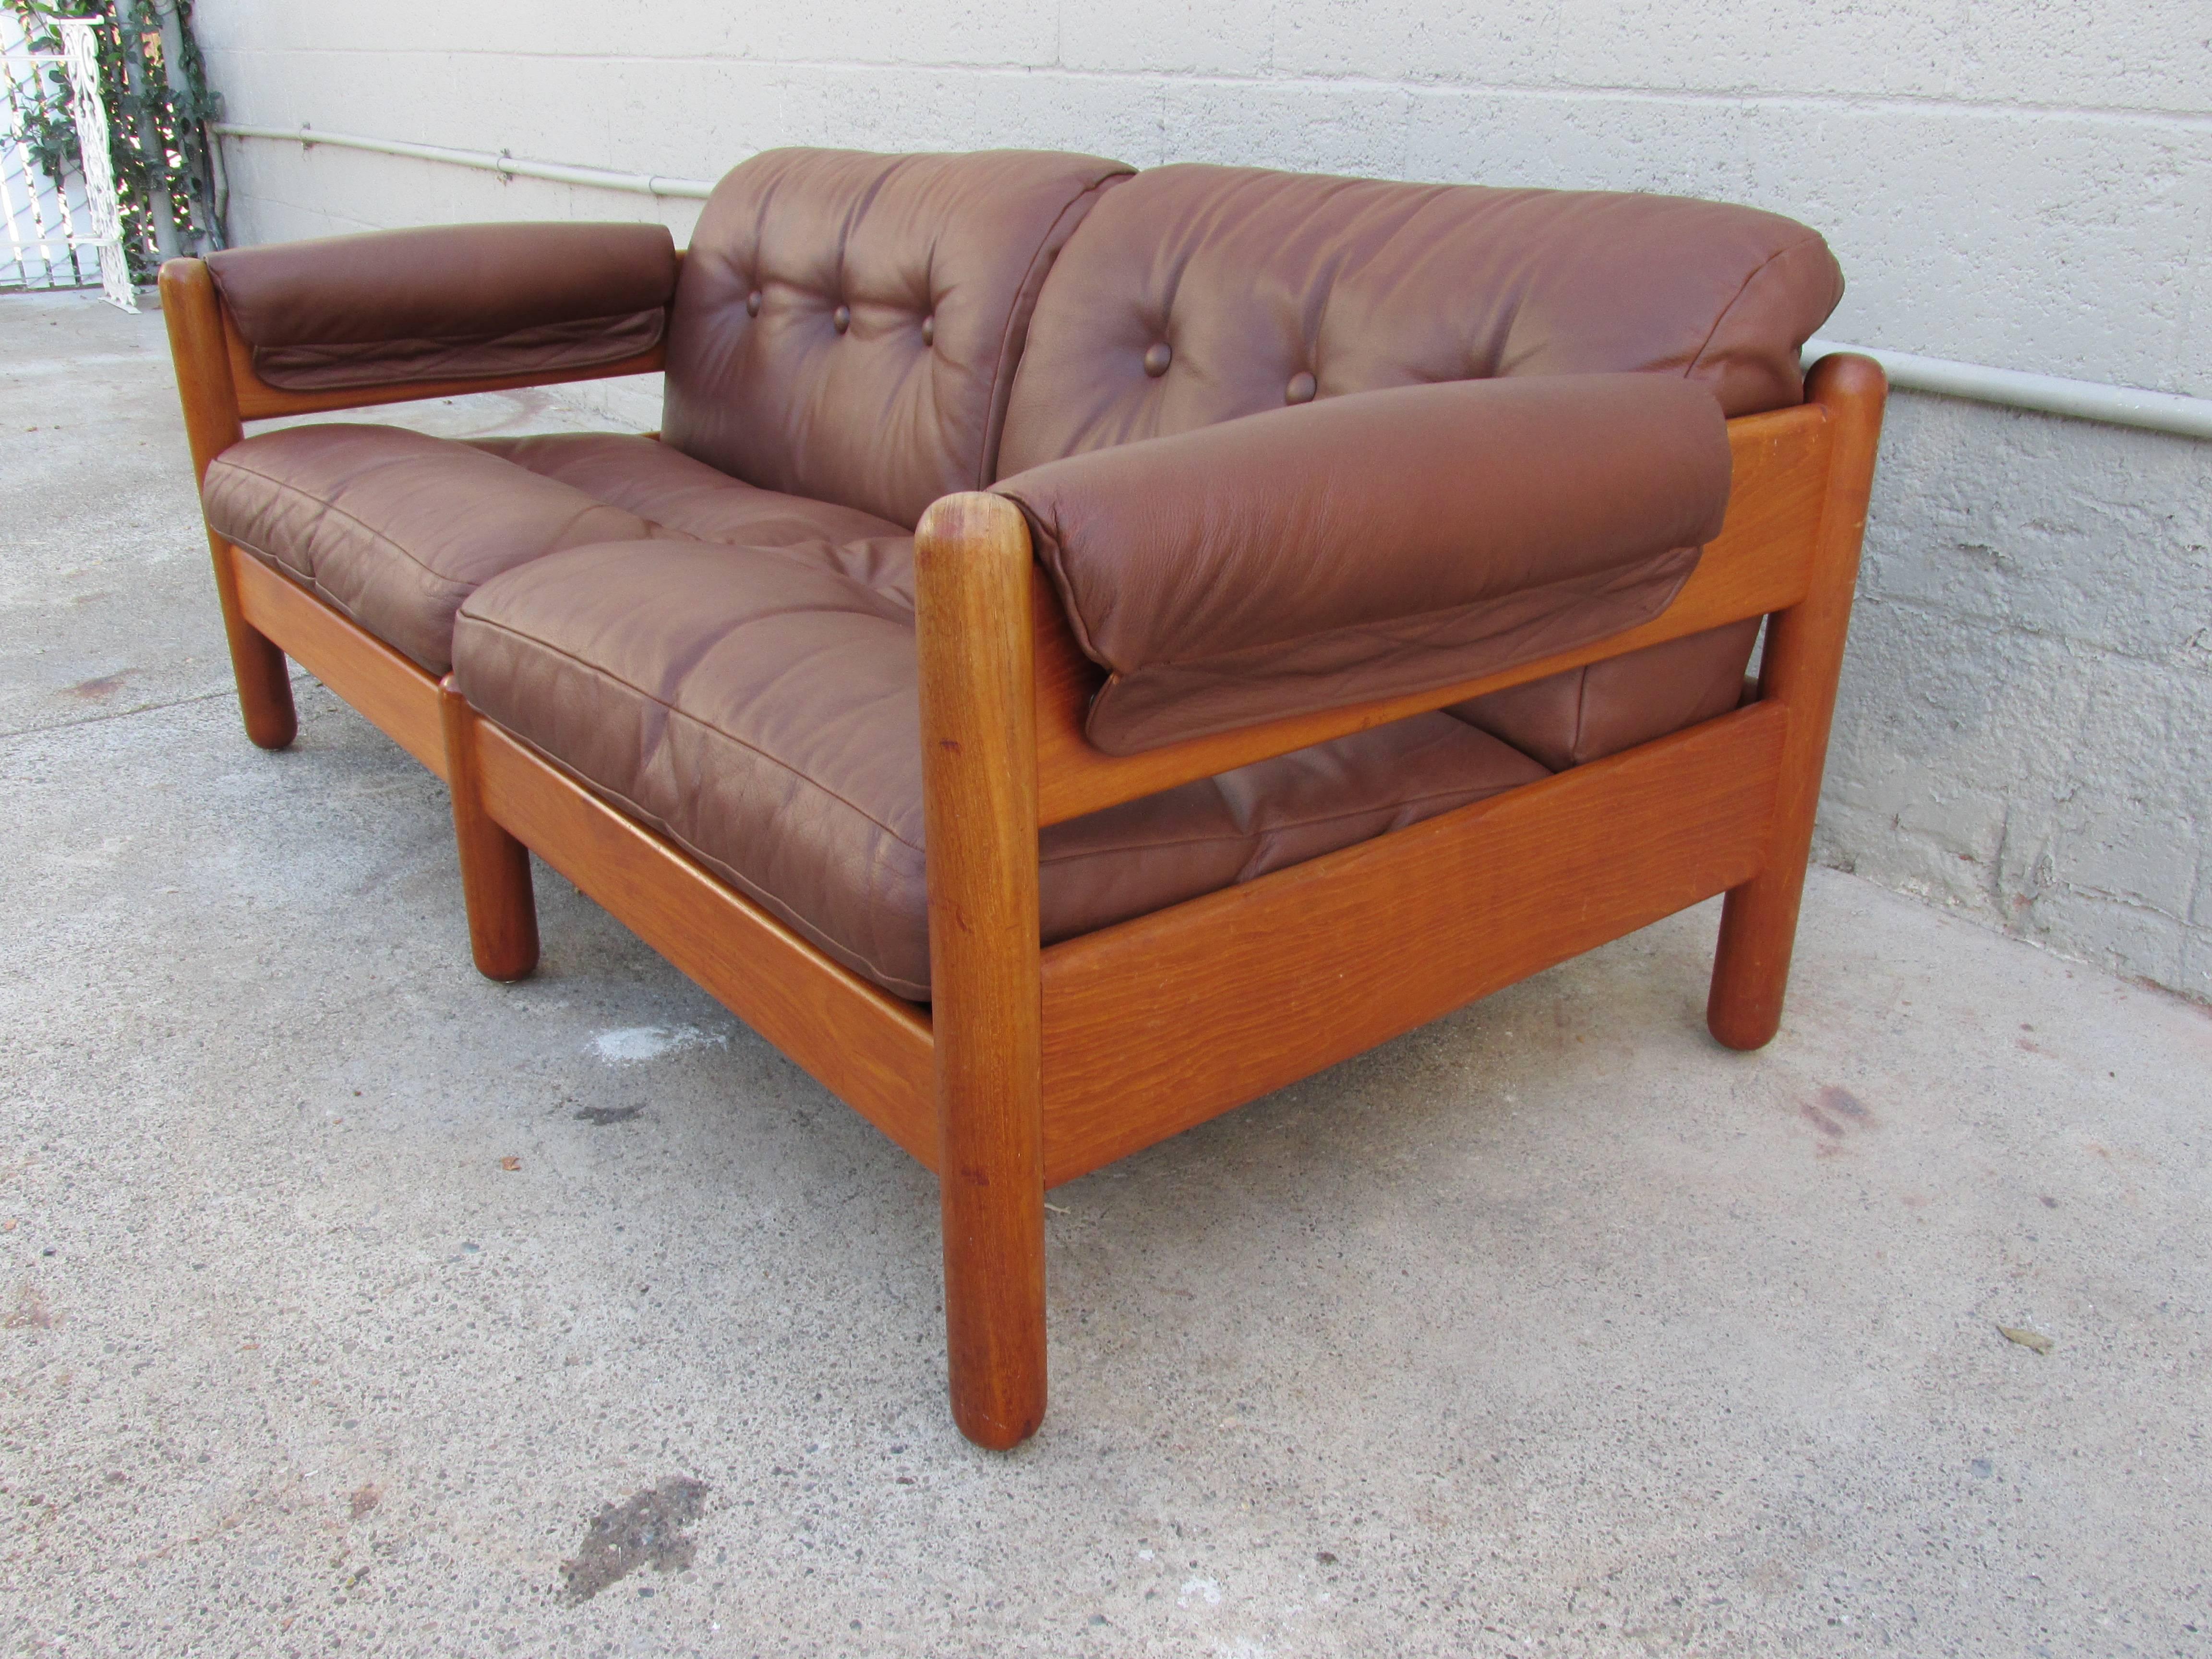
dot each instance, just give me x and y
(62, 232)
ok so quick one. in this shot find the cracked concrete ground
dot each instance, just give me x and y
(354, 1304)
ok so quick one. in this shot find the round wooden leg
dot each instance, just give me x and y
(264, 682)
(1751, 967)
(972, 569)
(496, 885)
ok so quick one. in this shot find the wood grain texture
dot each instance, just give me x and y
(1800, 669)
(192, 313)
(857, 1040)
(1761, 562)
(973, 576)
(495, 888)
(395, 694)
(1161, 1023)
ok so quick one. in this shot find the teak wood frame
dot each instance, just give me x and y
(1036, 1065)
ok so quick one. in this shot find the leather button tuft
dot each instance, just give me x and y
(752, 303)
(1300, 389)
(929, 331)
(842, 319)
(1157, 359)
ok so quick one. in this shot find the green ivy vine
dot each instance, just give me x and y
(167, 176)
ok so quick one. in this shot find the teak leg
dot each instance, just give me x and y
(980, 807)
(495, 866)
(194, 318)
(265, 683)
(1804, 658)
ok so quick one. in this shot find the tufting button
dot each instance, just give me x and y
(842, 319)
(752, 303)
(929, 331)
(1157, 359)
(1300, 389)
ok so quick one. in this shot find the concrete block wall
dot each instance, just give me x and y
(2023, 729)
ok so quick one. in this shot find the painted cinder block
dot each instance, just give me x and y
(2025, 730)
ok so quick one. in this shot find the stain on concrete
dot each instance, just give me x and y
(106, 685)
(647, 1529)
(1834, 1113)
(608, 1113)
(30, 1311)
(1844, 1104)
(1821, 1121)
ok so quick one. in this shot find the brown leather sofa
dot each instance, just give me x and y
(1085, 648)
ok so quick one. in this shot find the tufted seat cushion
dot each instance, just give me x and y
(395, 528)
(759, 707)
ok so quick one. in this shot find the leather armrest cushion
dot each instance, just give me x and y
(1373, 544)
(448, 301)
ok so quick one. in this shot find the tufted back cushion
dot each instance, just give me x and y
(847, 326)
(1199, 294)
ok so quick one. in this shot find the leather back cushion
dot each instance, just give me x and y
(1199, 293)
(846, 324)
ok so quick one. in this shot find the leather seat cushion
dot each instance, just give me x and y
(691, 498)
(396, 528)
(1617, 702)
(758, 706)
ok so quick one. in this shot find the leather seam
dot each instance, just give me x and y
(1313, 822)
(1736, 299)
(334, 510)
(1425, 623)
(311, 583)
(597, 320)
(671, 710)
(601, 357)
(986, 463)
(1050, 555)
(1218, 682)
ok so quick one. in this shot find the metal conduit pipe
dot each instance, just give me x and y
(2083, 400)
(634, 183)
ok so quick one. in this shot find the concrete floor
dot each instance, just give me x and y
(346, 1296)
